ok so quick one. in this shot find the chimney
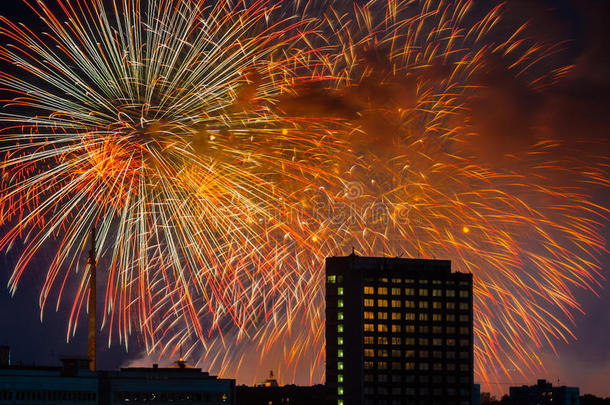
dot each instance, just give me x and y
(5, 356)
(92, 302)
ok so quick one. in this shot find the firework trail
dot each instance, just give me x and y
(225, 149)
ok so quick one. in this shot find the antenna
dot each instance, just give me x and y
(92, 301)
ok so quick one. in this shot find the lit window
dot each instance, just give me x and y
(396, 316)
(450, 305)
(340, 378)
(410, 341)
(382, 303)
(382, 328)
(369, 365)
(382, 365)
(382, 290)
(396, 304)
(369, 290)
(409, 304)
(382, 340)
(340, 341)
(396, 353)
(436, 305)
(437, 282)
(450, 318)
(464, 306)
(464, 294)
(410, 353)
(437, 293)
(437, 329)
(409, 280)
(423, 292)
(450, 342)
(423, 281)
(437, 342)
(436, 317)
(369, 315)
(340, 390)
(382, 315)
(340, 290)
(369, 340)
(410, 317)
(369, 353)
(382, 353)
(410, 328)
(340, 402)
(369, 327)
(409, 291)
(423, 304)
(395, 328)
(397, 280)
(464, 330)
(340, 328)
(340, 303)
(332, 279)
(423, 317)
(409, 365)
(340, 353)
(396, 341)
(340, 316)
(369, 302)
(340, 365)
(395, 291)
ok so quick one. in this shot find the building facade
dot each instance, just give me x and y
(544, 393)
(73, 383)
(398, 331)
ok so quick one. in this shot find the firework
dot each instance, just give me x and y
(224, 150)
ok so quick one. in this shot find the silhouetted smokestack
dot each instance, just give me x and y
(92, 302)
(5, 356)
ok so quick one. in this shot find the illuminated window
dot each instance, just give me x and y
(340, 378)
(410, 353)
(340, 328)
(437, 293)
(423, 292)
(436, 317)
(382, 365)
(464, 294)
(464, 330)
(464, 306)
(409, 304)
(396, 328)
(340, 316)
(340, 353)
(369, 327)
(410, 317)
(340, 341)
(450, 342)
(340, 303)
(382, 340)
(437, 342)
(423, 317)
(369, 315)
(340, 365)
(382, 303)
(436, 305)
(369, 353)
(369, 340)
(410, 328)
(382, 315)
(423, 329)
(424, 281)
(463, 282)
(395, 291)
(382, 328)
(340, 402)
(397, 280)
(369, 302)
(423, 304)
(340, 390)
(409, 281)
(369, 365)
(409, 365)
(382, 290)
(396, 316)
(410, 341)
(396, 341)
(437, 282)
(396, 304)
(340, 290)
(409, 291)
(450, 305)
(332, 279)
(382, 353)
(369, 290)
(395, 365)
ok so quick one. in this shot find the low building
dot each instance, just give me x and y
(544, 393)
(282, 395)
(73, 383)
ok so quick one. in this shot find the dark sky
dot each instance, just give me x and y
(578, 104)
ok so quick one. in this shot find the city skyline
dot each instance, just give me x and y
(454, 131)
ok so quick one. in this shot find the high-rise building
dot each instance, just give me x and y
(398, 331)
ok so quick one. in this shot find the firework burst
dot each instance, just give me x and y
(225, 149)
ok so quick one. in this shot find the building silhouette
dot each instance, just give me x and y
(398, 331)
(74, 383)
(544, 393)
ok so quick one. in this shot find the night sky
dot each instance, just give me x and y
(579, 105)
